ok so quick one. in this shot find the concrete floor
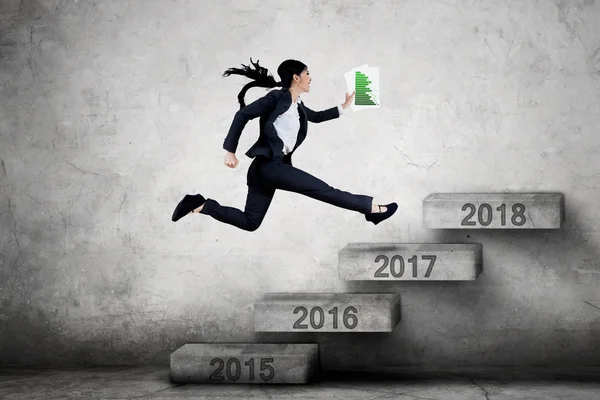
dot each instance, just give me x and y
(153, 383)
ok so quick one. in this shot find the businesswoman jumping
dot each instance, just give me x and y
(283, 124)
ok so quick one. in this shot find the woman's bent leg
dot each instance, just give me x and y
(257, 203)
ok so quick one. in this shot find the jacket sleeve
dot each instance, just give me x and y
(241, 118)
(322, 116)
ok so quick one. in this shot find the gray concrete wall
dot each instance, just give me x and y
(110, 111)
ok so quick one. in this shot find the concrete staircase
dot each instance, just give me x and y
(364, 312)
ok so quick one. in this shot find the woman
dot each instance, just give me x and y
(283, 127)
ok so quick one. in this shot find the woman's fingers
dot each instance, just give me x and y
(231, 160)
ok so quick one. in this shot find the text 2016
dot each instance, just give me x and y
(349, 320)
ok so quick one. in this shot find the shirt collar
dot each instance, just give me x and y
(298, 100)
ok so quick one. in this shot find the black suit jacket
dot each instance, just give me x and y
(268, 108)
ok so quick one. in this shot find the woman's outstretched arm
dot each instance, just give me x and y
(322, 116)
(330, 113)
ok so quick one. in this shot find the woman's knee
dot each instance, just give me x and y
(253, 224)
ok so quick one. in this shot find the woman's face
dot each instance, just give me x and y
(303, 80)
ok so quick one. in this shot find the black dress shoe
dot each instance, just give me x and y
(189, 203)
(380, 216)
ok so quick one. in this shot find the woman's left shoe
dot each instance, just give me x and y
(380, 216)
(188, 204)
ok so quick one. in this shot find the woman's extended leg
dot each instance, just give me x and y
(287, 177)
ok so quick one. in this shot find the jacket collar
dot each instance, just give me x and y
(283, 103)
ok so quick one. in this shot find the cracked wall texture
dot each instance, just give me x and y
(110, 111)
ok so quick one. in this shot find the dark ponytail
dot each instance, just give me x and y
(262, 78)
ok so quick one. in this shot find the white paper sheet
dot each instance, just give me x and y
(373, 95)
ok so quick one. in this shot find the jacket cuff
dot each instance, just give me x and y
(229, 147)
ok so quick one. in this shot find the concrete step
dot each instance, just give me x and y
(410, 262)
(493, 211)
(244, 363)
(327, 312)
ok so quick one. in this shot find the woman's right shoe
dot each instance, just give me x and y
(380, 216)
(188, 204)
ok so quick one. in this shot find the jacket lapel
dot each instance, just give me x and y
(283, 104)
(303, 126)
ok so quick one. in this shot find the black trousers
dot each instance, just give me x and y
(264, 177)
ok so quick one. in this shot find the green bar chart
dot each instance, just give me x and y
(363, 95)
(364, 81)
